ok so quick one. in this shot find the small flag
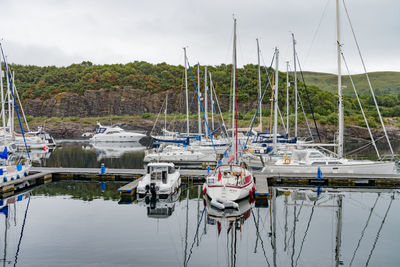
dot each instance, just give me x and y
(219, 227)
(219, 175)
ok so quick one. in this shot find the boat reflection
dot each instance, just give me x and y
(160, 206)
(106, 150)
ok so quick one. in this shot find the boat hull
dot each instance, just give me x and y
(360, 168)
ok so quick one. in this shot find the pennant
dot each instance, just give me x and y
(219, 227)
(219, 175)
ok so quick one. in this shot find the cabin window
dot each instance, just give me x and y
(315, 155)
(318, 163)
(171, 169)
(334, 162)
(164, 177)
(100, 130)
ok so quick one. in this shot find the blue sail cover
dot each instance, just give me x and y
(4, 154)
(4, 210)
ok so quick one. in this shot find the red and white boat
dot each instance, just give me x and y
(228, 183)
(231, 182)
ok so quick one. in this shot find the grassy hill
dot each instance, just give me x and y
(386, 82)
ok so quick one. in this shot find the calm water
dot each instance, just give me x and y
(118, 155)
(76, 224)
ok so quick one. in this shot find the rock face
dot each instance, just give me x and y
(125, 101)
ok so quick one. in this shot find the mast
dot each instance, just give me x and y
(276, 96)
(198, 103)
(212, 104)
(187, 96)
(165, 112)
(259, 84)
(295, 86)
(3, 113)
(287, 98)
(12, 101)
(205, 100)
(340, 104)
(234, 103)
(9, 106)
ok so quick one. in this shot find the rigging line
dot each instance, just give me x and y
(306, 232)
(305, 116)
(363, 231)
(196, 235)
(369, 81)
(359, 103)
(364, 146)
(266, 83)
(259, 236)
(379, 231)
(201, 105)
(219, 108)
(283, 123)
(162, 107)
(308, 98)
(22, 231)
(317, 29)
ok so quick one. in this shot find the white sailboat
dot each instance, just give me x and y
(309, 160)
(230, 182)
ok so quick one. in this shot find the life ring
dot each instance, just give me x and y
(287, 160)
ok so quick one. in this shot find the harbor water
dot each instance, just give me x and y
(83, 224)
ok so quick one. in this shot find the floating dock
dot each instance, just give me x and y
(40, 175)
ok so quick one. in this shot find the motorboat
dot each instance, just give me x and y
(310, 160)
(114, 134)
(160, 179)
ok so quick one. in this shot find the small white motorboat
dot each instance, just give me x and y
(161, 178)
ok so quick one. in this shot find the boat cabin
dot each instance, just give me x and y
(159, 171)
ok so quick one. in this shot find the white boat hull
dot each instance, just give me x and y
(359, 168)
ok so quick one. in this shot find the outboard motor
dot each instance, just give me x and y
(153, 189)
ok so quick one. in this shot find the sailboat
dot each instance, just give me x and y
(233, 181)
(309, 160)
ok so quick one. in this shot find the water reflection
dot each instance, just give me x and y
(300, 227)
(87, 155)
(160, 207)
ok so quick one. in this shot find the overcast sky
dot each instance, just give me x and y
(62, 32)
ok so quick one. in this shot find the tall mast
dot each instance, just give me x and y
(9, 123)
(212, 103)
(259, 84)
(233, 78)
(287, 97)
(276, 96)
(295, 86)
(198, 103)
(340, 104)
(187, 95)
(3, 113)
(235, 90)
(165, 112)
(205, 100)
